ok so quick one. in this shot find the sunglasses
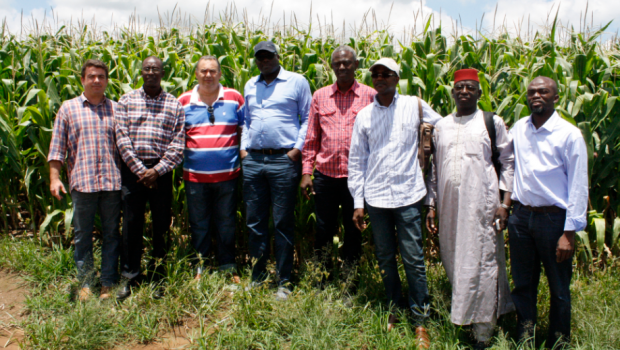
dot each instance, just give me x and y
(211, 111)
(382, 75)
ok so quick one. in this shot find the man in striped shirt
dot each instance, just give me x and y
(213, 119)
(84, 135)
(330, 123)
(384, 173)
(150, 135)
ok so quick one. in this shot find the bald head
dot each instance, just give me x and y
(542, 95)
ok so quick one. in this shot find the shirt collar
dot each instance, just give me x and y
(548, 125)
(282, 75)
(147, 97)
(195, 98)
(377, 104)
(353, 89)
(84, 99)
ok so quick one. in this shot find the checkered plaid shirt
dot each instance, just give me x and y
(84, 136)
(330, 124)
(148, 129)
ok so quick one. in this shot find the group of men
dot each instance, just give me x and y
(352, 147)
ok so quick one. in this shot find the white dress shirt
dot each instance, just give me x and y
(383, 160)
(551, 168)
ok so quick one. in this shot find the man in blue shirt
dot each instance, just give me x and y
(276, 121)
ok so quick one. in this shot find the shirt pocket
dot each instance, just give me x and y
(473, 147)
(408, 134)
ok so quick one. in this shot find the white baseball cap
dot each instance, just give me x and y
(387, 63)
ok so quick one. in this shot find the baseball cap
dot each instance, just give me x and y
(387, 63)
(265, 46)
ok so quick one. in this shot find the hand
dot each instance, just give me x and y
(566, 246)
(294, 154)
(358, 219)
(306, 185)
(149, 178)
(56, 187)
(430, 221)
(502, 215)
(243, 153)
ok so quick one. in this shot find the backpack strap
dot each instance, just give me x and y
(488, 122)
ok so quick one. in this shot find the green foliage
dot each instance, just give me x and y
(38, 73)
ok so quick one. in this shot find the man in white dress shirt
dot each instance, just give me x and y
(385, 174)
(465, 188)
(550, 198)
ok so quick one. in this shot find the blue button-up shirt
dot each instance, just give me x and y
(276, 114)
(551, 168)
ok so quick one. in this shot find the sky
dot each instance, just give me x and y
(398, 14)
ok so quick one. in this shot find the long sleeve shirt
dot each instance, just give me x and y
(276, 114)
(84, 136)
(330, 124)
(551, 168)
(148, 129)
(383, 161)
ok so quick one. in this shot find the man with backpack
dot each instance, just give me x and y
(472, 162)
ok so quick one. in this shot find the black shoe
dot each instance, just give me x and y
(123, 292)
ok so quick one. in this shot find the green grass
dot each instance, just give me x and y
(312, 318)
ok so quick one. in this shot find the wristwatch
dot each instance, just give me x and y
(505, 206)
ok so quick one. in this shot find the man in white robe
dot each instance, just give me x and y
(464, 190)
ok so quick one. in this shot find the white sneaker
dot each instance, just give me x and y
(282, 294)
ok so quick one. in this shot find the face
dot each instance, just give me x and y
(344, 66)
(208, 73)
(267, 62)
(384, 80)
(466, 94)
(94, 81)
(542, 95)
(152, 72)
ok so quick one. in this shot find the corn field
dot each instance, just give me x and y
(40, 71)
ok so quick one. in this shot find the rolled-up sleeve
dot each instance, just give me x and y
(358, 162)
(576, 160)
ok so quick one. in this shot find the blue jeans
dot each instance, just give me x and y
(533, 240)
(271, 180)
(85, 206)
(218, 201)
(401, 228)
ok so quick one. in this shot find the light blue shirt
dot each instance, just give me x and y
(276, 114)
(551, 168)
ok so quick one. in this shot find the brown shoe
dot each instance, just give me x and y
(392, 321)
(236, 279)
(424, 342)
(105, 293)
(197, 277)
(84, 294)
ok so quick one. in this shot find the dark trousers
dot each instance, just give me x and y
(85, 206)
(396, 229)
(271, 181)
(332, 193)
(217, 202)
(533, 240)
(135, 197)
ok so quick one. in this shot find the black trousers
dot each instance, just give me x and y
(135, 196)
(331, 193)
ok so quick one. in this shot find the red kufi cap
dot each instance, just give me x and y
(466, 74)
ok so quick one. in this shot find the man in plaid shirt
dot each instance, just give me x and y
(150, 136)
(84, 126)
(326, 152)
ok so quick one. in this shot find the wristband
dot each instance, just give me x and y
(505, 206)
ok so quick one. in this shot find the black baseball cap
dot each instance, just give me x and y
(265, 46)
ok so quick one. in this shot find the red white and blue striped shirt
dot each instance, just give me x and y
(212, 150)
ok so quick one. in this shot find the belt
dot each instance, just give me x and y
(150, 162)
(547, 209)
(270, 150)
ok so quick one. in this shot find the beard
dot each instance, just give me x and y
(538, 110)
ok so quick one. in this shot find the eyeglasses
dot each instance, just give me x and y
(382, 75)
(266, 56)
(151, 69)
(211, 111)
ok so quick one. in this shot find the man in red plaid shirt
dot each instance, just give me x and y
(84, 137)
(326, 152)
(150, 134)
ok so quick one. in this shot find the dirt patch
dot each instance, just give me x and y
(13, 293)
(170, 341)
